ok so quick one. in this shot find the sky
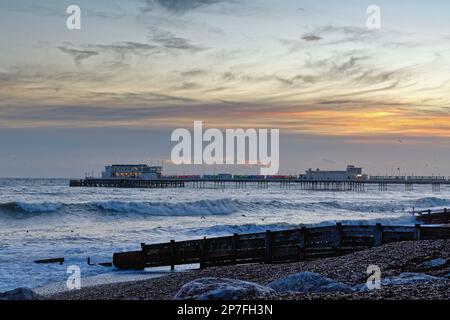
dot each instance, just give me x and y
(72, 101)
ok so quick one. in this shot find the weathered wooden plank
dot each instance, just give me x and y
(52, 260)
(249, 253)
(254, 243)
(320, 237)
(389, 237)
(428, 233)
(282, 238)
(355, 241)
(250, 236)
(358, 228)
(347, 231)
(321, 230)
(286, 252)
(398, 229)
(129, 260)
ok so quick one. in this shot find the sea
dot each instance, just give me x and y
(45, 218)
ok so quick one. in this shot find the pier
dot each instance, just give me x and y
(351, 179)
(274, 246)
(381, 183)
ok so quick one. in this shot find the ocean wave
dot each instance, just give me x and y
(229, 229)
(355, 206)
(407, 220)
(394, 205)
(195, 208)
(30, 207)
(221, 206)
(431, 202)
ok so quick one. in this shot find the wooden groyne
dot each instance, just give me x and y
(433, 217)
(273, 247)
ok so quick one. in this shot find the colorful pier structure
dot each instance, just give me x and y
(351, 179)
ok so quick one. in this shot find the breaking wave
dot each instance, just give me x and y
(219, 230)
(356, 206)
(217, 207)
(431, 202)
(30, 207)
(201, 208)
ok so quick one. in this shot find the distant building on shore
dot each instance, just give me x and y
(132, 171)
(352, 173)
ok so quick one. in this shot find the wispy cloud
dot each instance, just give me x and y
(78, 55)
(311, 37)
(344, 118)
(159, 41)
(194, 73)
(172, 66)
(177, 6)
(168, 40)
(122, 49)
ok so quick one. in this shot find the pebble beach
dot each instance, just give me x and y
(393, 260)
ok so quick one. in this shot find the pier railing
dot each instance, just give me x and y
(272, 247)
(126, 183)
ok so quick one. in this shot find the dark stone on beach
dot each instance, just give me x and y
(19, 294)
(308, 282)
(222, 289)
(435, 263)
(408, 278)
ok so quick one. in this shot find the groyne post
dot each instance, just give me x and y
(234, 247)
(302, 243)
(203, 253)
(172, 255)
(338, 235)
(417, 232)
(268, 247)
(378, 236)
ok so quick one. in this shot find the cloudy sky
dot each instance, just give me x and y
(74, 100)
